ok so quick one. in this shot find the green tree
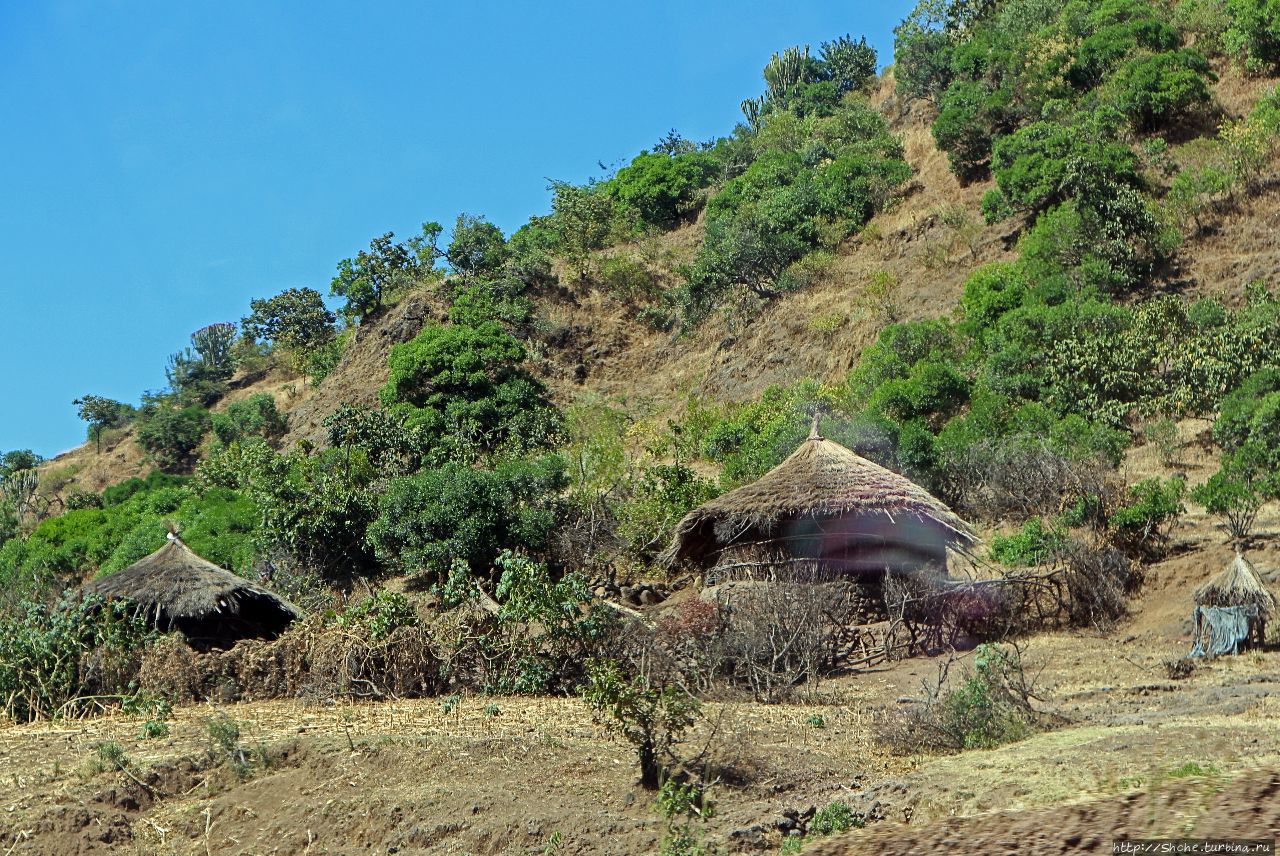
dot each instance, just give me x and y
(1235, 493)
(1255, 31)
(662, 188)
(171, 435)
(464, 384)
(1157, 89)
(650, 715)
(101, 413)
(296, 318)
(428, 521)
(365, 280)
(477, 249)
(582, 219)
(851, 65)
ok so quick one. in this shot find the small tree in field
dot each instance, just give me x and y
(101, 413)
(651, 717)
(1237, 491)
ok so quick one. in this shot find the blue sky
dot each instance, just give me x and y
(163, 163)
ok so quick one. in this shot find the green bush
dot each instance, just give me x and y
(380, 614)
(1033, 545)
(172, 436)
(1151, 508)
(1254, 31)
(463, 384)
(44, 650)
(255, 416)
(315, 508)
(501, 301)
(1157, 89)
(968, 117)
(627, 279)
(663, 188)
(835, 817)
(477, 248)
(1251, 414)
(1034, 165)
(990, 292)
(428, 521)
(987, 709)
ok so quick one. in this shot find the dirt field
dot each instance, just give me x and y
(1142, 755)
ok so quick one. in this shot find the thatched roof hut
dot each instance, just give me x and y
(211, 607)
(1238, 585)
(825, 507)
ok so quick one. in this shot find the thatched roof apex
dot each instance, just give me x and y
(1238, 585)
(174, 583)
(821, 478)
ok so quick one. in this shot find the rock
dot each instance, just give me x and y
(649, 597)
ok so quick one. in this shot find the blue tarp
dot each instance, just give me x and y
(1221, 629)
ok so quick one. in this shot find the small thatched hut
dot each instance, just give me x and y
(211, 607)
(824, 511)
(1240, 590)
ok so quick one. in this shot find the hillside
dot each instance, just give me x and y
(1027, 273)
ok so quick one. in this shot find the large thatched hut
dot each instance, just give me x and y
(211, 607)
(1232, 607)
(824, 511)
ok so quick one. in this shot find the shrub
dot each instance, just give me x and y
(582, 220)
(464, 385)
(546, 628)
(427, 521)
(922, 49)
(627, 279)
(255, 416)
(663, 188)
(1155, 89)
(1255, 31)
(501, 300)
(51, 656)
(965, 126)
(990, 292)
(379, 614)
(314, 508)
(1034, 545)
(835, 817)
(1033, 166)
(171, 435)
(990, 705)
(1152, 507)
(661, 495)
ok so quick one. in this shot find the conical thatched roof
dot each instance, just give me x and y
(820, 479)
(1238, 585)
(177, 589)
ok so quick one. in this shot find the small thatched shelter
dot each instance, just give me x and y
(824, 511)
(1241, 590)
(211, 607)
